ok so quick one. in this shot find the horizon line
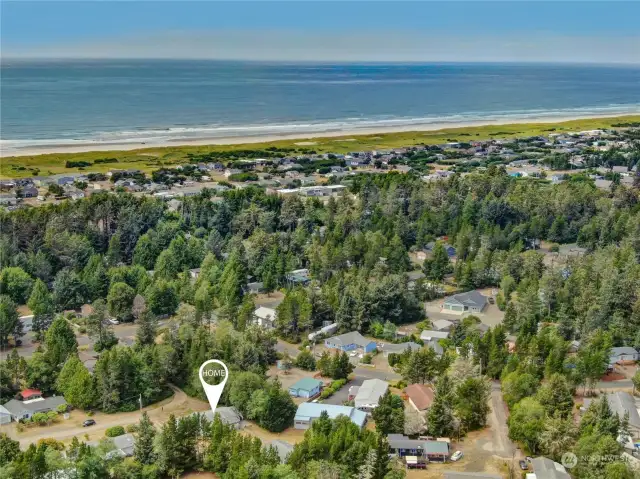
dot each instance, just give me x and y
(325, 62)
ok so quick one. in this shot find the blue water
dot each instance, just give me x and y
(141, 100)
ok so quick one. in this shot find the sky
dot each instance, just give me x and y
(515, 31)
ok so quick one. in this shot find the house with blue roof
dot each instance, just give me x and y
(309, 411)
(306, 388)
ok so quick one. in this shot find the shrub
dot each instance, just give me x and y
(62, 408)
(306, 361)
(114, 431)
(132, 427)
(76, 164)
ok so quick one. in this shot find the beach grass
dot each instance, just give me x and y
(149, 159)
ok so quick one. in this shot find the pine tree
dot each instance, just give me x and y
(41, 305)
(342, 367)
(143, 449)
(167, 453)
(389, 415)
(368, 469)
(147, 329)
(76, 383)
(95, 277)
(114, 253)
(382, 457)
(61, 343)
(440, 420)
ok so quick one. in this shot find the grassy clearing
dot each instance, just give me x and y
(149, 159)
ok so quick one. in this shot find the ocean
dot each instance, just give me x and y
(120, 101)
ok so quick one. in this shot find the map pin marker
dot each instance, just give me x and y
(217, 373)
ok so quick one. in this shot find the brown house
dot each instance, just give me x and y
(420, 396)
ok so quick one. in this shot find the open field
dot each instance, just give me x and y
(147, 159)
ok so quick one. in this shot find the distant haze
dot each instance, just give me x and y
(269, 45)
(325, 31)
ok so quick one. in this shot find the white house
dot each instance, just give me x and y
(265, 317)
(369, 394)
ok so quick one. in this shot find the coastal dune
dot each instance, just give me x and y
(42, 147)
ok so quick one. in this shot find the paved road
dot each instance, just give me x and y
(342, 395)
(500, 443)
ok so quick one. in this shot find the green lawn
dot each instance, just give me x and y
(149, 159)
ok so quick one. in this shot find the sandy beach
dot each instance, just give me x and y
(306, 138)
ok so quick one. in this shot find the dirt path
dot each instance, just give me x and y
(179, 404)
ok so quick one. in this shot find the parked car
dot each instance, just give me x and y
(456, 456)
(89, 422)
(491, 300)
(113, 321)
(523, 465)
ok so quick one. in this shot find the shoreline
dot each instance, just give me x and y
(306, 138)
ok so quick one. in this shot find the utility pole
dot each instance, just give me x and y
(140, 400)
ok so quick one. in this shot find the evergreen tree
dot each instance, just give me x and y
(341, 367)
(60, 342)
(389, 415)
(147, 329)
(143, 450)
(438, 265)
(10, 324)
(293, 316)
(41, 305)
(440, 421)
(76, 384)
(95, 277)
(99, 328)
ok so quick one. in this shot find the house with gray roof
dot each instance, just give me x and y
(400, 445)
(544, 468)
(122, 446)
(350, 342)
(369, 394)
(20, 410)
(5, 416)
(228, 415)
(432, 339)
(399, 348)
(623, 353)
(309, 411)
(621, 403)
(472, 302)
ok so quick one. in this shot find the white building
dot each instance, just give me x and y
(265, 317)
(369, 394)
